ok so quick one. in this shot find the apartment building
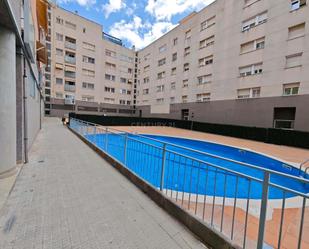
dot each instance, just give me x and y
(241, 62)
(234, 62)
(90, 71)
(23, 28)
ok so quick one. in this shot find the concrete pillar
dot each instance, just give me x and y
(7, 101)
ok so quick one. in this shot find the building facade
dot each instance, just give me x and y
(234, 62)
(23, 27)
(90, 71)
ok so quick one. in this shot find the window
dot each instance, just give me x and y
(160, 88)
(293, 60)
(254, 21)
(123, 91)
(206, 61)
(122, 102)
(184, 98)
(161, 75)
(59, 52)
(59, 20)
(126, 58)
(146, 68)
(185, 83)
(296, 31)
(161, 62)
(109, 100)
(123, 80)
(146, 57)
(290, 89)
(110, 77)
(248, 93)
(87, 85)
(59, 95)
(187, 51)
(130, 70)
(203, 97)
(145, 91)
(207, 42)
(250, 2)
(251, 70)
(160, 100)
(87, 59)
(146, 80)
(110, 66)
(109, 89)
(173, 85)
(175, 41)
(208, 23)
(70, 25)
(188, 36)
(173, 72)
(172, 99)
(84, 30)
(252, 45)
(88, 46)
(204, 79)
(110, 53)
(296, 4)
(174, 57)
(87, 98)
(284, 117)
(59, 37)
(89, 73)
(162, 48)
(186, 67)
(59, 81)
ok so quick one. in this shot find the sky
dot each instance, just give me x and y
(136, 22)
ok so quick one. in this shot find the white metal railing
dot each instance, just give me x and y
(227, 213)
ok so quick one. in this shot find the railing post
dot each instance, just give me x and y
(106, 137)
(125, 149)
(163, 167)
(263, 210)
(95, 134)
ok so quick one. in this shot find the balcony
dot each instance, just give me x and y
(69, 74)
(70, 45)
(69, 59)
(69, 88)
(69, 101)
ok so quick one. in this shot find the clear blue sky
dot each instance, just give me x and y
(136, 22)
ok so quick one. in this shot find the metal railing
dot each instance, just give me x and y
(220, 196)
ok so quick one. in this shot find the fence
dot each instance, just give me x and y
(232, 203)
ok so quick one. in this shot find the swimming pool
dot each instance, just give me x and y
(189, 171)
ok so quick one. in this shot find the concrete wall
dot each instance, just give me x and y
(7, 100)
(246, 112)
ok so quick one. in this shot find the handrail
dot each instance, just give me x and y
(306, 181)
(302, 164)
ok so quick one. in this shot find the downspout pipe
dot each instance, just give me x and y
(25, 111)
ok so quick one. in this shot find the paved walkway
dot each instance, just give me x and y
(68, 197)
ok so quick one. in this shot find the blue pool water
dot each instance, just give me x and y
(189, 176)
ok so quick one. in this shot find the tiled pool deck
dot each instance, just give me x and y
(292, 216)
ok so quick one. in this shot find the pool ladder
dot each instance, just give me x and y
(303, 166)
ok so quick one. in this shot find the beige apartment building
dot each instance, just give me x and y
(241, 62)
(90, 70)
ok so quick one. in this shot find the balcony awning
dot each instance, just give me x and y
(41, 11)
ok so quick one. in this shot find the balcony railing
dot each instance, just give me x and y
(69, 88)
(69, 101)
(70, 45)
(71, 60)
